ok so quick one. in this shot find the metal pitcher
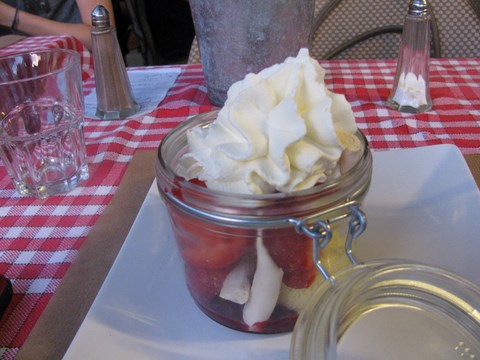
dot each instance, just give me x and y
(237, 37)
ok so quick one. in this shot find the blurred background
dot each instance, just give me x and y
(160, 32)
(154, 32)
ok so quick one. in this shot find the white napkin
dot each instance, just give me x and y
(149, 87)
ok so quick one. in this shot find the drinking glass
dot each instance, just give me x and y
(42, 142)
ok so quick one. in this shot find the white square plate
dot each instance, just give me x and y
(423, 205)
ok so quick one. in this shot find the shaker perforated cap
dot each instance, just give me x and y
(418, 7)
(100, 17)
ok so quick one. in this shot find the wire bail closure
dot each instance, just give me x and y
(321, 232)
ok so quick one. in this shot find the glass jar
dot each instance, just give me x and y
(221, 238)
(390, 310)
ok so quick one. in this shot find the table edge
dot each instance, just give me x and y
(66, 310)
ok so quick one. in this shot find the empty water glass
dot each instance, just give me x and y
(41, 111)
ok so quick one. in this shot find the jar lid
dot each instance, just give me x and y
(389, 309)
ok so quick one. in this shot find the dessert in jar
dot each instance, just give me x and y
(256, 191)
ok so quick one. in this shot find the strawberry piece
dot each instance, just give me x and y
(293, 253)
(176, 189)
(205, 284)
(281, 320)
(208, 245)
(197, 182)
(301, 278)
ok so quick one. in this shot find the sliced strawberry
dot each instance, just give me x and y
(293, 253)
(204, 244)
(176, 189)
(301, 278)
(197, 182)
(204, 284)
(281, 320)
(208, 245)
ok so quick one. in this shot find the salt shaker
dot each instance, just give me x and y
(411, 91)
(114, 92)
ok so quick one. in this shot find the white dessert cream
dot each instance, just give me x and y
(281, 130)
(265, 289)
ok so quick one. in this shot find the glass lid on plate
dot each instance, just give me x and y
(389, 309)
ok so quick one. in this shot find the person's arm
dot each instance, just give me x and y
(37, 25)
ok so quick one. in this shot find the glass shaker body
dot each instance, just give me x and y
(114, 93)
(411, 91)
(221, 236)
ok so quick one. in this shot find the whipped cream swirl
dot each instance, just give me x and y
(280, 130)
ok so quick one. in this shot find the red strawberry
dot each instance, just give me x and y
(197, 182)
(177, 190)
(281, 320)
(293, 253)
(204, 284)
(207, 245)
(300, 278)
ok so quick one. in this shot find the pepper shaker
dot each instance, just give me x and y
(411, 91)
(114, 93)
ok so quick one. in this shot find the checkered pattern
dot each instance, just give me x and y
(40, 238)
(455, 92)
(53, 42)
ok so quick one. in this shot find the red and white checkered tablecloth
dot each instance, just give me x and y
(53, 42)
(455, 92)
(40, 238)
